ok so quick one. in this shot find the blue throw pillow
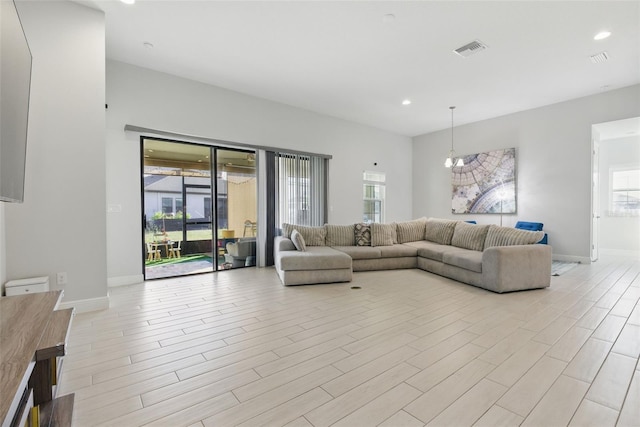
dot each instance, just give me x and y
(532, 226)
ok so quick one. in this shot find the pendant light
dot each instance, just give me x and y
(451, 160)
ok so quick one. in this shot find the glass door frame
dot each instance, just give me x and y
(213, 168)
(212, 185)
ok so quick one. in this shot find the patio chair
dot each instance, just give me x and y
(153, 253)
(241, 253)
(174, 251)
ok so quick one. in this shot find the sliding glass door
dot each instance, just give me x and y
(237, 208)
(192, 222)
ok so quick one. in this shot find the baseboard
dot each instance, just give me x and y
(620, 252)
(113, 282)
(86, 305)
(572, 258)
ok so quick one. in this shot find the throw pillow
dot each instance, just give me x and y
(469, 236)
(313, 236)
(439, 230)
(298, 241)
(340, 235)
(362, 234)
(411, 231)
(506, 236)
(381, 234)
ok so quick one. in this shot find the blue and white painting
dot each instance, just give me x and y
(486, 184)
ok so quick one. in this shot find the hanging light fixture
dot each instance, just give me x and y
(451, 160)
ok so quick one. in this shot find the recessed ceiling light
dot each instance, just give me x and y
(602, 35)
(128, 1)
(406, 102)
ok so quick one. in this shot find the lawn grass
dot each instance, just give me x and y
(167, 261)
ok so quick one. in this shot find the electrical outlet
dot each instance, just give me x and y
(61, 278)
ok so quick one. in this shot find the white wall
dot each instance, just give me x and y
(553, 155)
(60, 227)
(155, 100)
(619, 233)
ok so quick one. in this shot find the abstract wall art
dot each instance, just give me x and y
(485, 184)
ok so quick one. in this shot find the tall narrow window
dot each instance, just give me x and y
(301, 189)
(373, 196)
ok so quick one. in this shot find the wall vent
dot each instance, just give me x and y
(471, 48)
(599, 57)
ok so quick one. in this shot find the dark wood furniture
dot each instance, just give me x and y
(33, 336)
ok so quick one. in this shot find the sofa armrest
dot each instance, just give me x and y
(282, 243)
(513, 268)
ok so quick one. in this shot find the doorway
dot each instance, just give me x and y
(616, 188)
(198, 208)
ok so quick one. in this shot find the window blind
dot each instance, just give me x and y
(301, 189)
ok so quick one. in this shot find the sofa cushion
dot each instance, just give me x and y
(507, 236)
(467, 259)
(283, 244)
(313, 236)
(298, 241)
(340, 235)
(360, 252)
(439, 230)
(397, 251)
(411, 231)
(383, 234)
(469, 236)
(362, 234)
(432, 250)
(314, 258)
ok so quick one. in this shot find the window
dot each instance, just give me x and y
(301, 189)
(179, 206)
(373, 196)
(625, 191)
(167, 205)
(207, 208)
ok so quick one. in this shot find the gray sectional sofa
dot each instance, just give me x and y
(500, 259)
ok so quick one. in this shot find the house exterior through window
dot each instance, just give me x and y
(625, 191)
(373, 196)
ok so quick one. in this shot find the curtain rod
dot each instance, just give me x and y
(212, 141)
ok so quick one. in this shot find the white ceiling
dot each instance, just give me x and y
(344, 59)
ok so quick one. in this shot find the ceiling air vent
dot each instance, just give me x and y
(470, 48)
(599, 57)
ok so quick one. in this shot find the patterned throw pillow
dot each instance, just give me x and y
(313, 236)
(363, 234)
(298, 241)
(340, 235)
(381, 234)
(411, 231)
(469, 236)
(506, 236)
(439, 230)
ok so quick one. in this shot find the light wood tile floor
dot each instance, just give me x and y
(408, 349)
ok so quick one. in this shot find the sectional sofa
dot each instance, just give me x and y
(500, 259)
